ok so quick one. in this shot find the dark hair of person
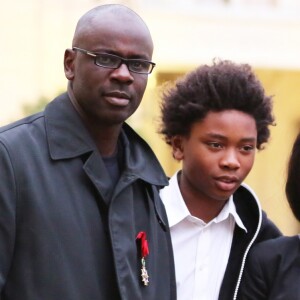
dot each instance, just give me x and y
(292, 187)
(222, 86)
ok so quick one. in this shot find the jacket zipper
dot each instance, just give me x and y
(250, 244)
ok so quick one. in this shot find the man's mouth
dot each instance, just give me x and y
(117, 98)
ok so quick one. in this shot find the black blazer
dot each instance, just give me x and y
(273, 271)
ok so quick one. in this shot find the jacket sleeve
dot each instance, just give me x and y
(254, 285)
(7, 213)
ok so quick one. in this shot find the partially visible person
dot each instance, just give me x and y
(214, 119)
(80, 213)
(273, 269)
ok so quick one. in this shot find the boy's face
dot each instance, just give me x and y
(217, 155)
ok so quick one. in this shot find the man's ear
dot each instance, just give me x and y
(69, 63)
(177, 147)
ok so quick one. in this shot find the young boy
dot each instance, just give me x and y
(214, 119)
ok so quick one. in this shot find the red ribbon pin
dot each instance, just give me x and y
(141, 237)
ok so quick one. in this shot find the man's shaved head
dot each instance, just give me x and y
(102, 12)
(107, 95)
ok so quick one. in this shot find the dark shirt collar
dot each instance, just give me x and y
(68, 138)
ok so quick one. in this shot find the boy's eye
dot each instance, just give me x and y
(247, 148)
(215, 145)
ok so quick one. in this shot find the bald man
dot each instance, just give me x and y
(80, 214)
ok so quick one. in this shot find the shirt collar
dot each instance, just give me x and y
(227, 211)
(173, 201)
(177, 209)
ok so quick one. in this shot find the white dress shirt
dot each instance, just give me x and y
(201, 250)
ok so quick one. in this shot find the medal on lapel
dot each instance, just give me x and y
(144, 251)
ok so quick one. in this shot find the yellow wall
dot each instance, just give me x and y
(35, 33)
(269, 173)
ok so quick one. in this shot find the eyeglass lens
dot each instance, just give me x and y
(134, 65)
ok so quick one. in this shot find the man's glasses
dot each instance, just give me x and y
(112, 61)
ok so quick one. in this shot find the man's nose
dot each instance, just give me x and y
(122, 74)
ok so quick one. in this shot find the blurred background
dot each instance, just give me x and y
(186, 33)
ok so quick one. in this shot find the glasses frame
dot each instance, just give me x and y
(125, 61)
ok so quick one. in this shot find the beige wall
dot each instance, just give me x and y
(269, 174)
(34, 34)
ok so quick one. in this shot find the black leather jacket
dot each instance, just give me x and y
(64, 233)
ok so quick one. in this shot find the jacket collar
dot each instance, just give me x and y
(248, 208)
(66, 134)
(68, 138)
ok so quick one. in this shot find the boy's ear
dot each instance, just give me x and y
(177, 147)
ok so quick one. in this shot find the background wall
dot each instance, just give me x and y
(186, 33)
